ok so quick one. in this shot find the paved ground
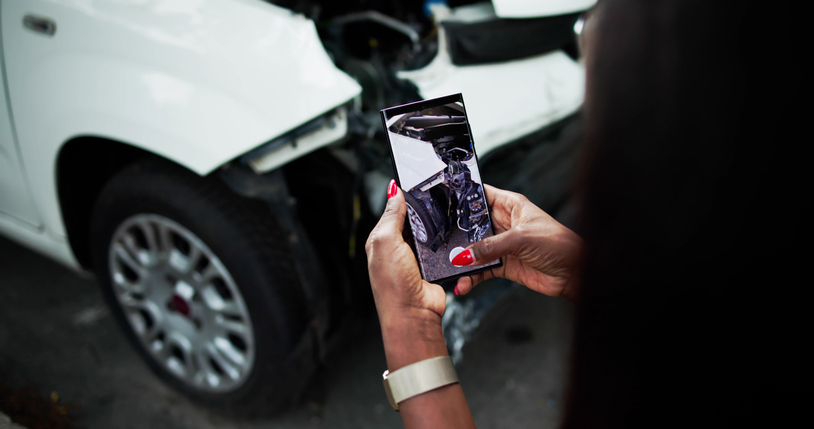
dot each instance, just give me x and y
(57, 336)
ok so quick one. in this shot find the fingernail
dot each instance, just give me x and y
(463, 258)
(455, 291)
(391, 189)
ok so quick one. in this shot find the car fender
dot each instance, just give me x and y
(536, 8)
(199, 83)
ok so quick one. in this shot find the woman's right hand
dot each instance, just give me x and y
(538, 252)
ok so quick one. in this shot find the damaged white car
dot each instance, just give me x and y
(218, 163)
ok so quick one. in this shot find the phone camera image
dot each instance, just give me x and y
(437, 169)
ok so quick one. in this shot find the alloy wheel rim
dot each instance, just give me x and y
(182, 303)
(417, 225)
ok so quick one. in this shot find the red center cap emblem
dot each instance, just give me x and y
(181, 305)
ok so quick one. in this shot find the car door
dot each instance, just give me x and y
(15, 197)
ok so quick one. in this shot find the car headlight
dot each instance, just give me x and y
(312, 135)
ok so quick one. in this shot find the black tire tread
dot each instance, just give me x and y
(252, 226)
(425, 216)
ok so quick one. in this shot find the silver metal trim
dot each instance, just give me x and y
(182, 303)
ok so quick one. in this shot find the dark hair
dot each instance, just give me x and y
(684, 297)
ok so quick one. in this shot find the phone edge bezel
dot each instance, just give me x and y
(438, 101)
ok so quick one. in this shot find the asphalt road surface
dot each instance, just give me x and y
(57, 337)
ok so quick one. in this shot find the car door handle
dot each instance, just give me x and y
(39, 24)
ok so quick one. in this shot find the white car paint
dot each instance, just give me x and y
(507, 100)
(201, 82)
(416, 159)
(196, 81)
(536, 8)
(15, 197)
(19, 217)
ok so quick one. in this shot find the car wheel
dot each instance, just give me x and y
(424, 229)
(202, 283)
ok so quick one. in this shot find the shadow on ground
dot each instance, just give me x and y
(58, 339)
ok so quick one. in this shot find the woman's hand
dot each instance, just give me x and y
(538, 252)
(410, 311)
(409, 308)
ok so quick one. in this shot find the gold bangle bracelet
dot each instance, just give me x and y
(418, 378)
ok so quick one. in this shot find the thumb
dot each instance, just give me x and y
(395, 211)
(489, 249)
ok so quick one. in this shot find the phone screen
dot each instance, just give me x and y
(437, 169)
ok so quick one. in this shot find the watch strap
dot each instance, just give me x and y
(420, 377)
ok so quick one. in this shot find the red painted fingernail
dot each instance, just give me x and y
(463, 258)
(391, 189)
(456, 290)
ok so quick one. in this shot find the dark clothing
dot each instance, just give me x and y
(686, 315)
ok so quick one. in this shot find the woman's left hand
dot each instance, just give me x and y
(410, 309)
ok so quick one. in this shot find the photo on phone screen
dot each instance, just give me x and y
(437, 169)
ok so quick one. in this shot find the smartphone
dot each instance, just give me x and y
(437, 169)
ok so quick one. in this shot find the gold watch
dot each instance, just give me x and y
(420, 377)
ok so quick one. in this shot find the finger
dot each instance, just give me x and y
(467, 283)
(495, 247)
(489, 249)
(501, 206)
(392, 220)
(491, 193)
(463, 286)
(390, 225)
(494, 194)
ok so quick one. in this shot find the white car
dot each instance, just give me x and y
(216, 163)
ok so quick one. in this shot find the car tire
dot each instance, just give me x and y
(203, 285)
(421, 221)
